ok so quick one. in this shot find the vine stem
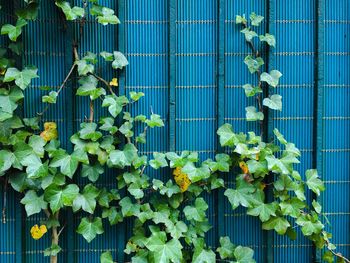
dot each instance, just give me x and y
(64, 81)
(104, 82)
(4, 201)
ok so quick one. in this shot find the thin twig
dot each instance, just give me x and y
(5, 201)
(59, 233)
(104, 82)
(91, 117)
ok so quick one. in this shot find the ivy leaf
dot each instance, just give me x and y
(250, 90)
(196, 212)
(107, 56)
(21, 78)
(119, 61)
(89, 229)
(274, 102)
(68, 163)
(8, 103)
(256, 19)
(249, 34)
(104, 15)
(279, 224)
(108, 125)
(253, 115)
(194, 173)
(128, 207)
(272, 79)
(309, 226)
(92, 171)
(51, 98)
(269, 39)
(135, 96)
(88, 131)
(59, 196)
(241, 19)
(123, 158)
(242, 195)
(164, 251)
(227, 136)
(84, 67)
(226, 249)
(52, 251)
(12, 31)
(106, 257)
(155, 121)
(7, 158)
(87, 199)
(35, 168)
(158, 161)
(244, 255)
(253, 64)
(70, 13)
(316, 205)
(314, 182)
(264, 211)
(115, 104)
(202, 255)
(33, 203)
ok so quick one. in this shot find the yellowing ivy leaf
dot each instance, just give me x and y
(114, 82)
(50, 131)
(181, 179)
(244, 167)
(37, 232)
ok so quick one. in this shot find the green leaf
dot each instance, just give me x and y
(87, 199)
(196, 212)
(67, 163)
(70, 13)
(120, 60)
(202, 255)
(89, 229)
(158, 161)
(7, 158)
(196, 174)
(115, 104)
(164, 251)
(35, 168)
(128, 208)
(241, 19)
(316, 205)
(52, 251)
(155, 121)
(123, 158)
(84, 67)
(88, 131)
(309, 226)
(104, 15)
(135, 96)
(279, 224)
(107, 56)
(108, 125)
(269, 39)
(242, 195)
(244, 255)
(292, 207)
(274, 102)
(9, 103)
(253, 64)
(33, 203)
(106, 257)
(253, 115)
(250, 90)
(249, 34)
(272, 79)
(264, 211)
(51, 98)
(21, 78)
(12, 31)
(256, 19)
(226, 249)
(227, 136)
(313, 181)
(59, 196)
(37, 143)
(92, 172)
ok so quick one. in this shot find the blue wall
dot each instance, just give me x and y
(174, 56)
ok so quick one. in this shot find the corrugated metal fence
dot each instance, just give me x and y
(187, 57)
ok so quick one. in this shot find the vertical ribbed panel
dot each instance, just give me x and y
(336, 121)
(194, 80)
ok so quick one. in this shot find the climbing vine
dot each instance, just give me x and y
(169, 217)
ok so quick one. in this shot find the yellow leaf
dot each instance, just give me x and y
(181, 179)
(244, 167)
(37, 232)
(114, 82)
(2, 71)
(50, 131)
